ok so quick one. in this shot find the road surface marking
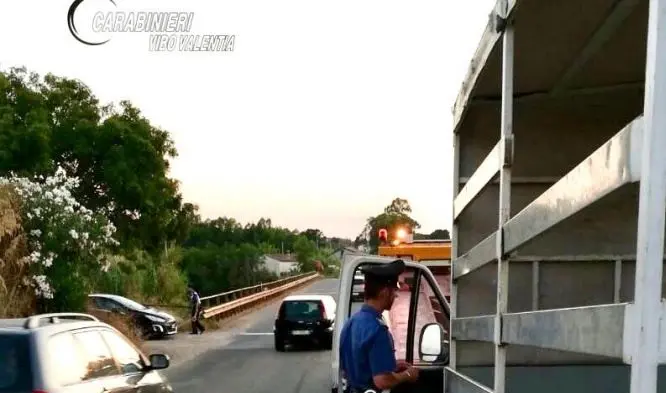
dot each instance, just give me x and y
(256, 334)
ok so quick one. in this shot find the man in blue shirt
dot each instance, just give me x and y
(367, 354)
(195, 311)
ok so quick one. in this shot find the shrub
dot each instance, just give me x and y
(13, 247)
(66, 241)
(146, 279)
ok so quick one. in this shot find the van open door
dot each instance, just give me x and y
(418, 321)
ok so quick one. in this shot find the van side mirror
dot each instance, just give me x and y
(430, 342)
(158, 361)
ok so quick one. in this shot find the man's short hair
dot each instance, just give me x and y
(374, 285)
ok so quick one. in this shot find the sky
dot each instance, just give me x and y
(321, 115)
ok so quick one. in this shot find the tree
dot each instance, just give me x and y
(398, 206)
(395, 215)
(184, 220)
(436, 234)
(314, 235)
(306, 251)
(121, 159)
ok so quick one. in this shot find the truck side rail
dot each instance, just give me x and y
(457, 382)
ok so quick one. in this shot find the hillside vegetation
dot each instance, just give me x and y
(87, 205)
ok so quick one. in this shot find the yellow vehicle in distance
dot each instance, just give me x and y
(433, 253)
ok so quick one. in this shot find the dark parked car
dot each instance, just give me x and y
(305, 319)
(73, 353)
(148, 322)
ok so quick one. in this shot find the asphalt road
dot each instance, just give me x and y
(244, 360)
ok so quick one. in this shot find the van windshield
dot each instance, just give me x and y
(302, 309)
(15, 368)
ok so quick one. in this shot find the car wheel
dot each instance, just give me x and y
(328, 342)
(279, 344)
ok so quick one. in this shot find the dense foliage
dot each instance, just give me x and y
(100, 212)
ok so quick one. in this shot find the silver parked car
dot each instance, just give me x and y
(70, 352)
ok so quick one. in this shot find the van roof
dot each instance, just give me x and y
(55, 322)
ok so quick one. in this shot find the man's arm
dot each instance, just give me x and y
(383, 364)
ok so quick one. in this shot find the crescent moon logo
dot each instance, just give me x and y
(72, 27)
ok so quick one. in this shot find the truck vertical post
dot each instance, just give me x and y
(506, 140)
(652, 207)
(454, 248)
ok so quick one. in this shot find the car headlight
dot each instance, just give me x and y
(154, 318)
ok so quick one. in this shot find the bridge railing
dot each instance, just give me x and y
(220, 303)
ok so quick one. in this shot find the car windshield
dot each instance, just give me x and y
(129, 303)
(302, 309)
(15, 368)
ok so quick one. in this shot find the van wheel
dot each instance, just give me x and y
(279, 344)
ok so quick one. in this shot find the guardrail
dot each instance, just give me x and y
(229, 302)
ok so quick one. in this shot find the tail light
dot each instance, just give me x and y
(322, 311)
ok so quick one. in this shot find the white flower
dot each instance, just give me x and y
(47, 262)
(49, 208)
(34, 256)
(42, 287)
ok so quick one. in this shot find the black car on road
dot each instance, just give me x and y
(305, 319)
(147, 321)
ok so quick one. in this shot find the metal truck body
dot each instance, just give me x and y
(559, 196)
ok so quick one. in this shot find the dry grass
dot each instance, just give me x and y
(123, 324)
(13, 247)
